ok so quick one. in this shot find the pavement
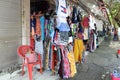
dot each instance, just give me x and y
(99, 64)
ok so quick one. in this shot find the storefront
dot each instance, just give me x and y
(15, 28)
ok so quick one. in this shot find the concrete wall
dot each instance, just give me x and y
(10, 31)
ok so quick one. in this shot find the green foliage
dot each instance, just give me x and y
(114, 9)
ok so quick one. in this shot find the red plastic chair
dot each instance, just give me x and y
(22, 50)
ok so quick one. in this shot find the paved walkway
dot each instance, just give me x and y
(98, 66)
(100, 63)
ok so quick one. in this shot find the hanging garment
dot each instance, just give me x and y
(61, 68)
(92, 22)
(78, 49)
(64, 36)
(85, 34)
(46, 30)
(47, 56)
(95, 41)
(62, 8)
(91, 41)
(39, 47)
(32, 43)
(72, 63)
(57, 4)
(73, 27)
(69, 23)
(85, 22)
(62, 24)
(74, 15)
(61, 38)
(54, 59)
(33, 25)
(69, 10)
(38, 28)
(50, 56)
(42, 21)
(33, 32)
(79, 17)
(81, 30)
(66, 65)
(58, 58)
(56, 36)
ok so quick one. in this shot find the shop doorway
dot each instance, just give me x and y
(29, 6)
(38, 9)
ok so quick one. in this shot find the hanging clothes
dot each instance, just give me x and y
(79, 16)
(33, 24)
(74, 15)
(47, 56)
(62, 24)
(42, 21)
(50, 56)
(32, 32)
(58, 58)
(78, 49)
(91, 41)
(32, 42)
(85, 22)
(86, 32)
(54, 58)
(81, 30)
(39, 46)
(38, 26)
(92, 22)
(69, 10)
(72, 63)
(66, 65)
(73, 27)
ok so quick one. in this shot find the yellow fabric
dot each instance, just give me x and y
(72, 63)
(78, 49)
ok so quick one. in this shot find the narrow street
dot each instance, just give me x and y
(46, 39)
(100, 63)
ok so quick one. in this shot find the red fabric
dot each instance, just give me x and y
(56, 36)
(38, 29)
(114, 78)
(54, 58)
(32, 43)
(65, 63)
(85, 22)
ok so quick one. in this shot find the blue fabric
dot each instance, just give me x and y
(57, 3)
(64, 27)
(80, 28)
(33, 24)
(42, 22)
